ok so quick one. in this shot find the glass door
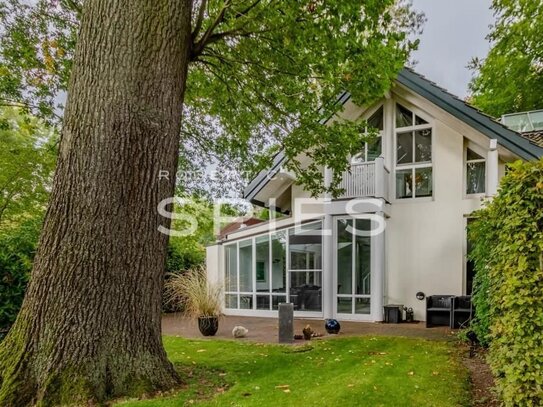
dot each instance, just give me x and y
(353, 267)
(305, 267)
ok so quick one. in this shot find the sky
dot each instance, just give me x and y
(454, 32)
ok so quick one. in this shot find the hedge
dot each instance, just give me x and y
(508, 252)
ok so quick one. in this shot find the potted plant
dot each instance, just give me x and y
(197, 298)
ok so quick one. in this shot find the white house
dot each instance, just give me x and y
(400, 227)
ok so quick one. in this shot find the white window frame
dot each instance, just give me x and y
(380, 136)
(353, 316)
(476, 149)
(413, 166)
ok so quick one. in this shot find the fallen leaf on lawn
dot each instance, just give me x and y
(282, 386)
(222, 374)
(411, 373)
(435, 373)
(350, 385)
(200, 350)
(286, 391)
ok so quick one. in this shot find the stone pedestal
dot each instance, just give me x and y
(286, 323)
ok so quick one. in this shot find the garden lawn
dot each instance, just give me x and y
(353, 371)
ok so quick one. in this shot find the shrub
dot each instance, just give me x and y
(480, 231)
(17, 247)
(508, 251)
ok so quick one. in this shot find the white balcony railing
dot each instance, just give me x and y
(366, 180)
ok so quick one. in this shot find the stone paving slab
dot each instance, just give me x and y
(265, 330)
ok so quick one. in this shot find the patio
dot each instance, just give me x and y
(265, 329)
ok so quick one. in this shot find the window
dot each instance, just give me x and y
(413, 155)
(257, 270)
(372, 150)
(475, 173)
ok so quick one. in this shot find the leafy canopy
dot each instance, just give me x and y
(263, 75)
(510, 79)
(27, 160)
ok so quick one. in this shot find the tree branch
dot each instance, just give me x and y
(74, 6)
(230, 61)
(246, 11)
(13, 103)
(199, 45)
(237, 32)
(199, 20)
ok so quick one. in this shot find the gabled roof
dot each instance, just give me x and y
(522, 145)
(469, 115)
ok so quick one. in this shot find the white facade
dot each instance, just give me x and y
(422, 248)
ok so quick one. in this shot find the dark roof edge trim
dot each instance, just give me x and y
(469, 115)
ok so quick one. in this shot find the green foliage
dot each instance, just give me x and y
(508, 251)
(510, 79)
(187, 246)
(27, 160)
(17, 248)
(263, 74)
(187, 252)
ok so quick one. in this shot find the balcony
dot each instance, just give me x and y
(366, 180)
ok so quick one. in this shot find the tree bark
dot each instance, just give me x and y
(89, 328)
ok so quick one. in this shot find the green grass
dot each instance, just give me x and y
(370, 371)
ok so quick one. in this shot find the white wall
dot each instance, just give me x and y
(214, 266)
(425, 239)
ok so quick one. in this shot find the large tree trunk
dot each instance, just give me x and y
(89, 328)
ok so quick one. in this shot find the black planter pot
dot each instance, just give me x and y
(208, 326)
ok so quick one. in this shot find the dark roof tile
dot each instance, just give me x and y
(535, 137)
